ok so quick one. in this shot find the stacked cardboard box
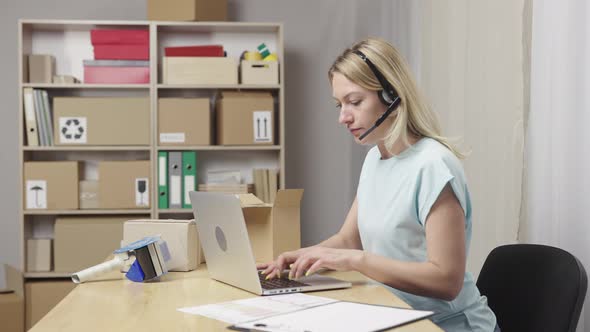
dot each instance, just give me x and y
(12, 300)
(120, 57)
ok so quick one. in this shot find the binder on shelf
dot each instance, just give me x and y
(41, 126)
(189, 176)
(30, 118)
(162, 179)
(48, 116)
(175, 179)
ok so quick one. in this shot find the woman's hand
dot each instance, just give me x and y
(320, 257)
(273, 269)
(307, 261)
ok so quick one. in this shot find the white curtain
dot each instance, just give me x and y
(470, 64)
(558, 137)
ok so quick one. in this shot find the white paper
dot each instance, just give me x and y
(36, 194)
(258, 307)
(262, 127)
(189, 185)
(339, 316)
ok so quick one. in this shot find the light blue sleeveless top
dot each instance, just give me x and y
(394, 198)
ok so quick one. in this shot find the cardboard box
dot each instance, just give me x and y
(39, 253)
(124, 184)
(273, 228)
(101, 121)
(82, 242)
(187, 10)
(200, 70)
(12, 300)
(180, 236)
(42, 296)
(259, 72)
(41, 68)
(184, 121)
(245, 118)
(89, 194)
(51, 185)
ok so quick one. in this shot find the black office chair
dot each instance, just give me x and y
(533, 288)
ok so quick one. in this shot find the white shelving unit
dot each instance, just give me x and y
(69, 42)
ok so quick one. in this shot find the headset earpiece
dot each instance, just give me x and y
(384, 97)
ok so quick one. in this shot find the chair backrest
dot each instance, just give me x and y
(533, 287)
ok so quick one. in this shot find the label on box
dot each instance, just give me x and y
(73, 130)
(262, 127)
(172, 138)
(189, 185)
(142, 194)
(36, 194)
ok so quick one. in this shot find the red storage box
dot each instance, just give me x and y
(198, 50)
(108, 36)
(121, 52)
(116, 72)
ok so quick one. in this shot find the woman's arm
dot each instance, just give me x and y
(440, 276)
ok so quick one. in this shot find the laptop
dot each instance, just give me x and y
(226, 246)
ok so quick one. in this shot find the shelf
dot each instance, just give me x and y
(84, 86)
(85, 212)
(86, 148)
(207, 27)
(220, 148)
(220, 86)
(47, 275)
(175, 211)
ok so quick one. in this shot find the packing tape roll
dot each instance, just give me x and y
(252, 56)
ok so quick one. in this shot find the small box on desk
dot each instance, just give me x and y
(273, 228)
(200, 70)
(187, 10)
(51, 185)
(259, 72)
(184, 121)
(12, 299)
(39, 253)
(42, 296)
(101, 121)
(245, 118)
(180, 236)
(124, 184)
(82, 242)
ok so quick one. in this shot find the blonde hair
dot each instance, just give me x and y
(413, 115)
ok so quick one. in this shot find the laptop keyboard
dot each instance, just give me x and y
(276, 283)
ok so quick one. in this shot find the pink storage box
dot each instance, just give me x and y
(116, 72)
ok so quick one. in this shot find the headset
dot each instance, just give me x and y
(387, 96)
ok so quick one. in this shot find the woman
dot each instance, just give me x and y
(409, 227)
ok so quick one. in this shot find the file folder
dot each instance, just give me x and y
(162, 180)
(189, 176)
(175, 179)
(30, 118)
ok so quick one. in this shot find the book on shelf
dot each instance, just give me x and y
(30, 118)
(240, 188)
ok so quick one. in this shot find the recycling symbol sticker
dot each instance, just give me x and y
(72, 130)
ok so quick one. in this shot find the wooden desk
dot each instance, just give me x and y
(122, 305)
